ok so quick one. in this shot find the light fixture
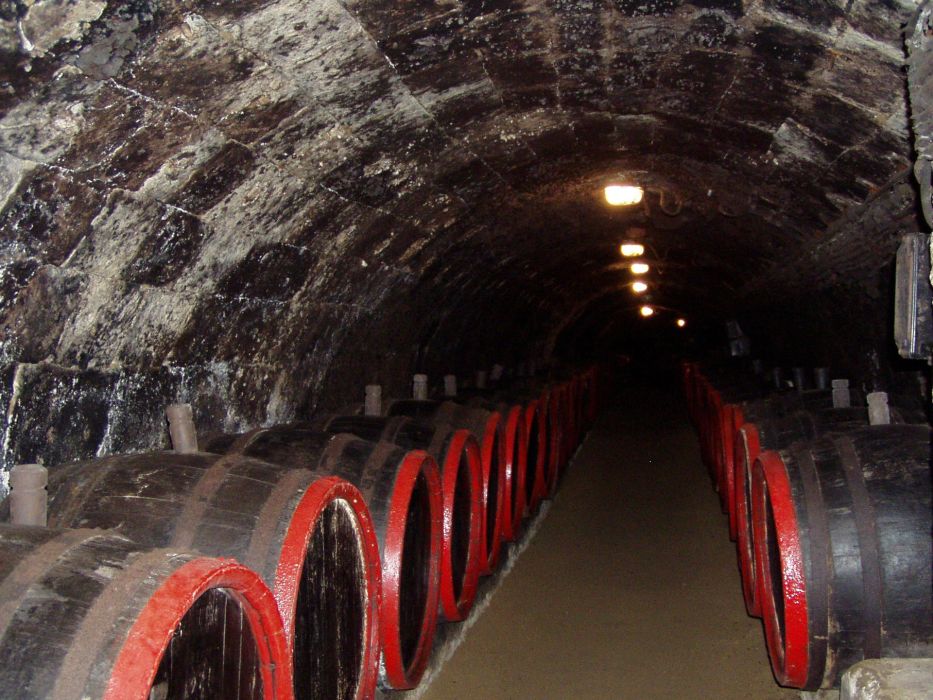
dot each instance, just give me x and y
(646, 311)
(632, 250)
(681, 323)
(623, 195)
(639, 287)
(639, 268)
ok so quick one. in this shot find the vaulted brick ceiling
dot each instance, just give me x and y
(279, 184)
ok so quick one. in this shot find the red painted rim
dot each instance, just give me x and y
(519, 471)
(728, 462)
(513, 437)
(771, 488)
(292, 559)
(715, 423)
(138, 661)
(491, 442)
(454, 608)
(747, 449)
(397, 675)
(533, 412)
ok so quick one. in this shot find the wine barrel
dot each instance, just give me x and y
(551, 402)
(514, 464)
(311, 540)
(760, 410)
(486, 426)
(720, 424)
(535, 481)
(733, 415)
(402, 490)
(774, 433)
(535, 413)
(842, 543)
(91, 614)
(457, 452)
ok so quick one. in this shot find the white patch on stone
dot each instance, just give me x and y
(12, 173)
(794, 142)
(49, 21)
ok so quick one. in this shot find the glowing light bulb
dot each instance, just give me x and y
(681, 323)
(639, 287)
(640, 268)
(646, 311)
(632, 250)
(623, 195)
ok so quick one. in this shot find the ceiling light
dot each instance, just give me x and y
(623, 195)
(646, 311)
(639, 287)
(681, 323)
(640, 268)
(632, 250)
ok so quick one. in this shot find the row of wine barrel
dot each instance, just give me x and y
(309, 560)
(831, 516)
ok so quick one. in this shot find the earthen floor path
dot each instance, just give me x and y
(629, 589)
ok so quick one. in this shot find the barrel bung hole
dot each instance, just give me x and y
(416, 568)
(460, 537)
(330, 616)
(212, 654)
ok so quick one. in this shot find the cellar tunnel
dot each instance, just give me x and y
(260, 207)
(263, 206)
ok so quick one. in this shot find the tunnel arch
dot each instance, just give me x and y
(261, 206)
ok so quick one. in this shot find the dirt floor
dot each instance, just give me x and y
(630, 588)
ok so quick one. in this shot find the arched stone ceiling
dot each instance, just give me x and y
(316, 188)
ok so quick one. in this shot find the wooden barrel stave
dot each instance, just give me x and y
(264, 515)
(486, 426)
(401, 488)
(463, 550)
(92, 614)
(874, 600)
(514, 465)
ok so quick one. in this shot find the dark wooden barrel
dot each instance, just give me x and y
(773, 424)
(310, 539)
(457, 452)
(842, 541)
(91, 614)
(487, 427)
(536, 420)
(402, 489)
(515, 456)
(774, 433)
(717, 386)
(720, 424)
(553, 407)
